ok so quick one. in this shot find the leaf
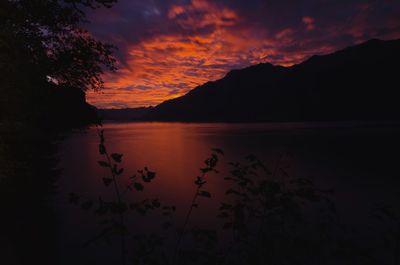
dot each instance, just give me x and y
(74, 198)
(331, 205)
(87, 205)
(388, 212)
(117, 157)
(218, 150)
(102, 149)
(205, 170)
(141, 211)
(120, 229)
(200, 182)
(149, 176)
(251, 158)
(223, 215)
(225, 206)
(204, 193)
(103, 164)
(242, 183)
(138, 186)
(156, 203)
(102, 210)
(302, 182)
(118, 207)
(227, 225)
(119, 171)
(148, 206)
(274, 187)
(101, 136)
(166, 225)
(232, 191)
(107, 181)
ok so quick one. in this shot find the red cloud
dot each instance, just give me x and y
(200, 41)
(178, 63)
(201, 13)
(309, 22)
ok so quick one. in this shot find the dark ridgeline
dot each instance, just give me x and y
(357, 83)
(47, 62)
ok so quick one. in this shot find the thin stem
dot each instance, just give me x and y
(397, 250)
(178, 243)
(261, 228)
(121, 215)
(278, 162)
(114, 178)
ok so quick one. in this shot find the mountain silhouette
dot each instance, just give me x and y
(357, 83)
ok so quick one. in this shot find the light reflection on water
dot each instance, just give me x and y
(356, 162)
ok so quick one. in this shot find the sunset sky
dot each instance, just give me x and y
(167, 47)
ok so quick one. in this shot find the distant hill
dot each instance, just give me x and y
(128, 114)
(357, 83)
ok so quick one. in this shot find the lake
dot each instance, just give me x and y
(358, 161)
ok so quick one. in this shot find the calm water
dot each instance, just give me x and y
(358, 161)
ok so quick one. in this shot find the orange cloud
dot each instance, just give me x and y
(167, 66)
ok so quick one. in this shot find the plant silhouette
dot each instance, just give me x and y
(267, 217)
(113, 212)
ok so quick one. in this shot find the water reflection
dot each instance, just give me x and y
(354, 161)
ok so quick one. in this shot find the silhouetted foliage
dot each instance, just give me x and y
(45, 52)
(180, 256)
(112, 213)
(388, 216)
(268, 216)
(47, 62)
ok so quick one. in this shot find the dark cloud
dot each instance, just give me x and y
(167, 47)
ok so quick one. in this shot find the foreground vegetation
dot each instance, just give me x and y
(267, 217)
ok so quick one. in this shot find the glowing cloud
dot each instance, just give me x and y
(181, 46)
(309, 22)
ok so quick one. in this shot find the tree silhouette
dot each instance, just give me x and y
(44, 49)
(47, 62)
